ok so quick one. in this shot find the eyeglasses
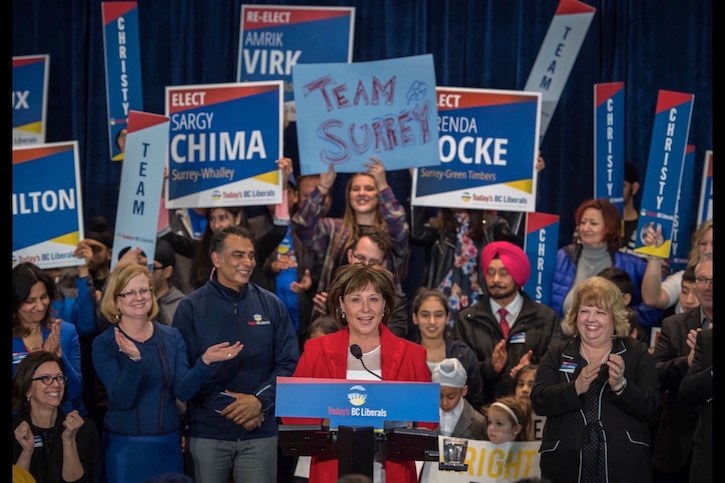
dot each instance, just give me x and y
(364, 260)
(703, 281)
(132, 293)
(48, 380)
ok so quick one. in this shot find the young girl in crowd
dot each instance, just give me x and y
(509, 419)
(525, 379)
(430, 316)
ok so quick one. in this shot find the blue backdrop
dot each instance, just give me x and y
(648, 44)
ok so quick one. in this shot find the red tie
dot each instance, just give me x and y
(505, 327)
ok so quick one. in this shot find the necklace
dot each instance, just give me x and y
(589, 358)
(33, 332)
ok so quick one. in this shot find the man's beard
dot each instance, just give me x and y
(501, 295)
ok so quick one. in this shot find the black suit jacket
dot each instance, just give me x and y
(673, 443)
(696, 389)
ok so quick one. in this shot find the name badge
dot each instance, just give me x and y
(568, 367)
(518, 338)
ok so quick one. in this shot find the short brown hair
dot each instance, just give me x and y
(118, 279)
(349, 278)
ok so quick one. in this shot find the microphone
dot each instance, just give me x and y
(356, 352)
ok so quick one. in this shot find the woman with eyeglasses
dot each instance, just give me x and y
(144, 368)
(35, 327)
(52, 445)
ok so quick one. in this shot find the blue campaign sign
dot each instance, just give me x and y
(683, 225)
(273, 38)
(30, 97)
(122, 55)
(357, 403)
(609, 143)
(46, 204)
(348, 113)
(664, 169)
(541, 244)
(225, 140)
(142, 177)
(488, 147)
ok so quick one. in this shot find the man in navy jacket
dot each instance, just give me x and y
(233, 431)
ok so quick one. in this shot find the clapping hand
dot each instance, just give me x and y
(282, 262)
(126, 345)
(586, 377)
(319, 301)
(52, 343)
(498, 357)
(524, 361)
(691, 339)
(223, 351)
(616, 372)
(304, 284)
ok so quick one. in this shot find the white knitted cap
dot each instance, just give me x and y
(450, 372)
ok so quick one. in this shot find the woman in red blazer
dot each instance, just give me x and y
(362, 298)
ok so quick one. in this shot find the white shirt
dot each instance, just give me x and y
(512, 308)
(450, 419)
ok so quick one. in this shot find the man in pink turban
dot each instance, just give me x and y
(506, 329)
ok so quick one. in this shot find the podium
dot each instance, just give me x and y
(357, 411)
(356, 447)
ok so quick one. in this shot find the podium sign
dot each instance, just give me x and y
(357, 403)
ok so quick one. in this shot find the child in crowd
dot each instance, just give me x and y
(457, 417)
(525, 379)
(687, 297)
(322, 325)
(509, 419)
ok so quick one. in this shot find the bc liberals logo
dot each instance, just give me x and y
(357, 395)
(466, 196)
(216, 195)
(257, 319)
